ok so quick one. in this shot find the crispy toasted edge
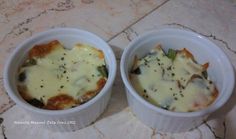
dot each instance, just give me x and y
(43, 49)
(214, 95)
(197, 107)
(60, 102)
(90, 94)
(187, 53)
(158, 47)
(205, 66)
(69, 101)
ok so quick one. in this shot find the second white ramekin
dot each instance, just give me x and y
(220, 71)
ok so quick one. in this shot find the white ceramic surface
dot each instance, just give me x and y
(220, 71)
(70, 119)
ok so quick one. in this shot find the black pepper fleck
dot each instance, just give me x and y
(169, 68)
(61, 86)
(62, 58)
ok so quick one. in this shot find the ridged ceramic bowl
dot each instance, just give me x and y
(73, 118)
(220, 71)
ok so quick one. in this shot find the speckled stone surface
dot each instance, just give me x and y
(117, 22)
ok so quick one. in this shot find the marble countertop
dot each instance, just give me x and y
(117, 22)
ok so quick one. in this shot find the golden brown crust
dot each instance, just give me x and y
(100, 54)
(205, 66)
(198, 106)
(60, 102)
(215, 94)
(43, 49)
(90, 94)
(79, 45)
(187, 53)
(87, 96)
(158, 47)
(101, 82)
(63, 101)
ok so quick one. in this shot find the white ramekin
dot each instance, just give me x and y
(220, 71)
(70, 119)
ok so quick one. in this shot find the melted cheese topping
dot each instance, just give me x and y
(176, 85)
(63, 76)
